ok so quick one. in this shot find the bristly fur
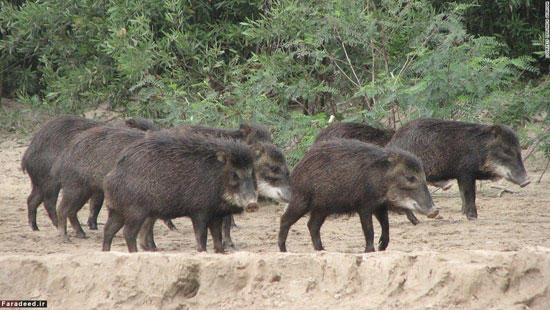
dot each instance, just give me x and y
(356, 131)
(256, 133)
(343, 177)
(197, 146)
(172, 174)
(463, 151)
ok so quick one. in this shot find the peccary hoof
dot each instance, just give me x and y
(81, 235)
(412, 218)
(231, 248)
(64, 238)
(471, 217)
(148, 248)
(369, 249)
(434, 214)
(253, 207)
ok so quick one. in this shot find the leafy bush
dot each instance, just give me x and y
(288, 63)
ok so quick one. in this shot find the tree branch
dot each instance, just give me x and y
(351, 67)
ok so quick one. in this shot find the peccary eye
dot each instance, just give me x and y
(411, 179)
(275, 169)
(234, 177)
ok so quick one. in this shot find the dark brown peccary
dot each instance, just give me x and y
(42, 152)
(356, 131)
(81, 167)
(369, 134)
(463, 151)
(348, 176)
(140, 123)
(169, 175)
(249, 133)
(39, 157)
(272, 172)
(272, 175)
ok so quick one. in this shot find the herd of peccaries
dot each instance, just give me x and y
(209, 174)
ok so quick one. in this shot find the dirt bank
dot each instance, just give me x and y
(500, 261)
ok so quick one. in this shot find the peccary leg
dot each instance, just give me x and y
(146, 237)
(50, 192)
(382, 217)
(96, 201)
(131, 230)
(33, 201)
(467, 187)
(368, 231)
(114, 223)
(411, 217)
(314, 224)
(72, 201)
(75, 223)
(297, 207)
(199, 226)
(226, 226)
(215, 227)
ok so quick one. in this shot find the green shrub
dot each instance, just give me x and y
(289, 63)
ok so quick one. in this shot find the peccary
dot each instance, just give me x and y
(39, 158)
(463, 151)
(143, 124)
(42, 152)
(356, 131)
(169, 175)
(81, 167)
(271, 171)
(249, 133)
(369, 134)
(348, 176)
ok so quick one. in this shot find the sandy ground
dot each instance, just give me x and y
(500, 261)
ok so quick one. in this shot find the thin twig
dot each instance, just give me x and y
(533, 146)
(545, 168)
(503, 190)
(344, 73)
(351, 67)
(410, 59)
(435, 190)
(372, 76)
(347, 57)
(341, 61)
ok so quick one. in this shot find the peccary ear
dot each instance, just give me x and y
(222, 156)
(258, 149)
(495, 130)
(130, 122)
(245, 129)
(248, 133)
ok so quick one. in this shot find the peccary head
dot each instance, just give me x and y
(407, 186)
(272, 172)
(504, 155)
(238, 179)
(253, 133)
(140, 123)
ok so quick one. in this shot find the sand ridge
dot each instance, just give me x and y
(500, 261)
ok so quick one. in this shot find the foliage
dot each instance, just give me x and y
(514, 23)
(288, 64)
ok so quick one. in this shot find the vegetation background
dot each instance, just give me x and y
(288, 64)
